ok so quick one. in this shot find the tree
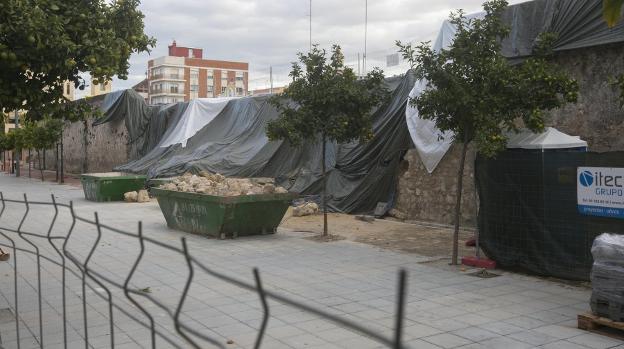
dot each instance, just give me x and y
(45, 135)
(326, 100)
(474, 92)
(44, 43)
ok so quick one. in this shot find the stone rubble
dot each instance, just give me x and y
(306, 209)
(219, 185)
(131, 196)
(143, 196)
(140, 196)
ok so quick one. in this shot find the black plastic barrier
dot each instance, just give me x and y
(528, 215)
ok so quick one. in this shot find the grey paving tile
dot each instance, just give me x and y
(447, 340)
(475, 334)
(533, 337)
(595, 341)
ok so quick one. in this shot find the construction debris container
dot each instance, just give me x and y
(222, 216)
(110, 186)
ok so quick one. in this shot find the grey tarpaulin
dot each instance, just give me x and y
(145, 124)
(234, 143)
(577, 24)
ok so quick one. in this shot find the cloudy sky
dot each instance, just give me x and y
(270, 32)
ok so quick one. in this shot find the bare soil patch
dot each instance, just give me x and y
(425, 240)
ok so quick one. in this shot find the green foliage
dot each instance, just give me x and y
(46, 42)
(326, 98)
(476, 93)
(612, 11)
(33, 135)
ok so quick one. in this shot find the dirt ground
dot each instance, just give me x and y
(426, 240)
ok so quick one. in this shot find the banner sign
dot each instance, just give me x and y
(600, 191)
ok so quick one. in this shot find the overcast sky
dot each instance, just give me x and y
(270, 32)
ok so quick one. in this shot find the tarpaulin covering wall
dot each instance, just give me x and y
(578, 24)
(146, 124)
(528, 216)
(234, 143)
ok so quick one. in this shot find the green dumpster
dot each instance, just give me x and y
(222, 216)
(110, 186)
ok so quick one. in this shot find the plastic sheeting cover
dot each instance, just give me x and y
(198, 114)
(235, 144)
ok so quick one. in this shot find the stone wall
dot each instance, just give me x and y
(106, 147)
(597, 118)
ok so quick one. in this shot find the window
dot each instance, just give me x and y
(223, 89)
(239, 91)
(194, 95)
(102, 87)
(210, 88)
(209, 77)
(194, 88)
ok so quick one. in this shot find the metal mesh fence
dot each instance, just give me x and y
(58, 297)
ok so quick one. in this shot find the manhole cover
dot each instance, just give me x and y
(483, 274)
(6, 316)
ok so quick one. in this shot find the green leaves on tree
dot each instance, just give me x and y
(326, 98)
(476, 93)
(45, 43)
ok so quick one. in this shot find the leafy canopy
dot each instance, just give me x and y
(46, 42)
(33, 135)
(474, 91)
(326, 98)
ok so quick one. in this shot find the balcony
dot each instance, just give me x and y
(167, 77)
(167, 91)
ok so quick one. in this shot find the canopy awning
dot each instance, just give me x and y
(551, 138)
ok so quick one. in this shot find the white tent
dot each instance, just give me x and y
(551, 138)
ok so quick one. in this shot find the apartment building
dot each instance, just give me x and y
(184, 75)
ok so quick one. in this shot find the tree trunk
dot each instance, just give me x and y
(62, 161)
(85, 143)
(16, 159)
(44, 159)
(56, 162)
(29, 162)
(324, 186)
(460, 183)
(40, 167)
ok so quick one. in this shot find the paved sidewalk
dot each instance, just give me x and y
(445, 308)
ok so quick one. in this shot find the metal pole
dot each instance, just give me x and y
(271, 79)
(365, 35)
(310, 25)
(359, 72)
(18, 151)
(62, 160)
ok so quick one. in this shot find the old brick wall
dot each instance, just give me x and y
(597, 118)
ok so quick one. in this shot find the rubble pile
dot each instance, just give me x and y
(134, 196)
(219, 185)
(305, 209)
